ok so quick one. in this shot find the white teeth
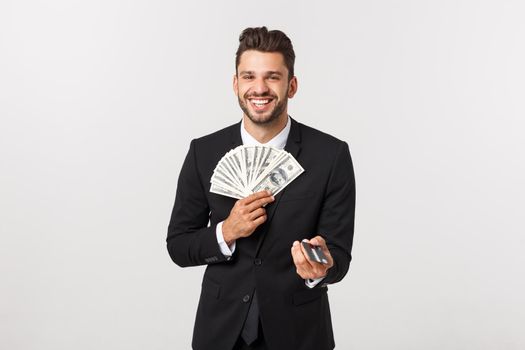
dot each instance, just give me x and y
(260, 102)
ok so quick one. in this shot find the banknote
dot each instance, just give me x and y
(249, 169)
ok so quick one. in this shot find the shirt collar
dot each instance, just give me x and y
(278, 141)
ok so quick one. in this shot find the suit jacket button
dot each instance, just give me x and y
(246, 298)
(258, 261)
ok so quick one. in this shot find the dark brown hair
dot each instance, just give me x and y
(260, 39)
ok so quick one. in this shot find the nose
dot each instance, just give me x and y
(259, 86)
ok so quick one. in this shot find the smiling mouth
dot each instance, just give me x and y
(260, 103)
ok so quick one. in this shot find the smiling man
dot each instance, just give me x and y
(261, 289)
(264, 103)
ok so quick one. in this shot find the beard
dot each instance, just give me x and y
(266, 117)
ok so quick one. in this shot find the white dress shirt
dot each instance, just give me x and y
(278, 141)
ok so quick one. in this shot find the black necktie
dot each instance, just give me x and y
(251, 325)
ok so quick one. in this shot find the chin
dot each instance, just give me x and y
(261, 120)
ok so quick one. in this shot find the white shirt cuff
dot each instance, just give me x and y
(310, 283)
(226, 250)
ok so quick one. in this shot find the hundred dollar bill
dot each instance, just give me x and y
(276, 179)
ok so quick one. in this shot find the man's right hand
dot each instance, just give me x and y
(246, 215)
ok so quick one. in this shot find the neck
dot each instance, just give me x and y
(265, 132)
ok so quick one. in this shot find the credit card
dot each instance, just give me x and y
(315, 253)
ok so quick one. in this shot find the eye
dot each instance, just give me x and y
(247, 77)
(274, 77)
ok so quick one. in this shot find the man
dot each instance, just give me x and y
(260, 290)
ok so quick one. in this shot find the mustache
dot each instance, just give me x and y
(260, 95)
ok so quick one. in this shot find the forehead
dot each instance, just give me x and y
(257, 61)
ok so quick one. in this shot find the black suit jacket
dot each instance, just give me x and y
(320, 201)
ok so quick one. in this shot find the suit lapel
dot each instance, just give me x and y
(235, 135)
(293, 144)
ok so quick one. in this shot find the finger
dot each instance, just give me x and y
(303, 268)
(260, 220)
(297, 256)
(255, 196)
(318, 241)
(256, 213)
(301, 256)
(258, 203)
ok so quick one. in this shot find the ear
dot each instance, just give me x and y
(235, 85)
(292, 87)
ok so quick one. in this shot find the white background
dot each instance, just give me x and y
(100, 99)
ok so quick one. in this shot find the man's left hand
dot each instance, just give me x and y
(307, 268)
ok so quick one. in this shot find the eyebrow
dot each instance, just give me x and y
(271, 72)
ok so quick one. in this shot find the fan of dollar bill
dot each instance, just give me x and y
(248, 169)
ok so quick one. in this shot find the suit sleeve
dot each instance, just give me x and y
(190, 240)
(336, 224)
